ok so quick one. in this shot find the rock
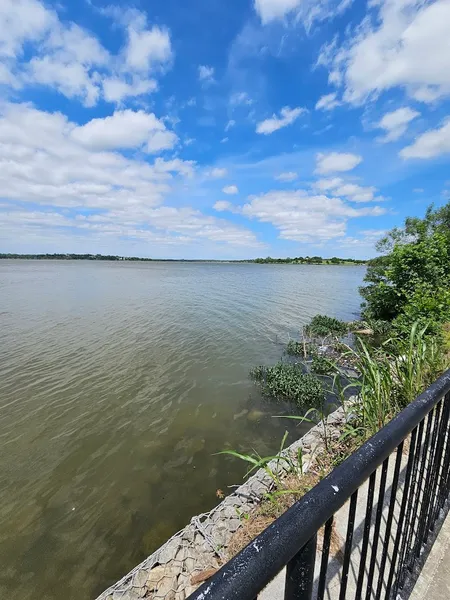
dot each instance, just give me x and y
(181, 554)
(188, 535)
(233, 525)
(189, 564)
(140, 578)
(169, 551)
(160, 572)
(155, 575)
(221, 534)
(255, 414)
(166, 589)
(128, 595)
(182, 581)
(190, 590)
(230, 512)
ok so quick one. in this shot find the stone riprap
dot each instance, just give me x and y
(193, 554)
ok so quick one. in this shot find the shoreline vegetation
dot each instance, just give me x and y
(371, 369)
(300, 260)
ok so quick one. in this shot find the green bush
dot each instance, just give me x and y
(412, 281)
(322, 326)
(427, 306)
(287, 381)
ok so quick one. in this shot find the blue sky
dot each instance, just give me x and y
(220, 129)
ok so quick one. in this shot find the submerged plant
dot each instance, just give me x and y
(287, 381)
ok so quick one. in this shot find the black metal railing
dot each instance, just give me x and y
(373, 516)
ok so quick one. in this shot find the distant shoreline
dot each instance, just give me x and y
(307, 260)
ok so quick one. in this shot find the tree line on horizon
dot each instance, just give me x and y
(312, 260)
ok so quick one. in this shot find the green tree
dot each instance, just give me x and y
(411, 281)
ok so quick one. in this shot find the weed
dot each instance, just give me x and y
(263, 462)
(321, 365)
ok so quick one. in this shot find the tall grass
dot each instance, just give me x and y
(394, 375)
(377, 401)
(266, 463)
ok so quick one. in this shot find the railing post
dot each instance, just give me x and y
(300, 573)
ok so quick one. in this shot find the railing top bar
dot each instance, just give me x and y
(246, 574)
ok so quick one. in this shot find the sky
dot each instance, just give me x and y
(220, 128)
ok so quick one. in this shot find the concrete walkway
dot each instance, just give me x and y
(434, 580)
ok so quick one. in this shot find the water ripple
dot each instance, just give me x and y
(118, 383)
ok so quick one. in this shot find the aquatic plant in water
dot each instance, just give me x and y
(287, 381)
(294, 348)
(322, 326)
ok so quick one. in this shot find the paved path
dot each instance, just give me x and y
(434, 580)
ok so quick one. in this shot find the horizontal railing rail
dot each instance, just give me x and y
(402, 474)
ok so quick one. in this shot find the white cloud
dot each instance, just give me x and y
(418, 190)
(305, 218)
(67, 61)
(240, 98)
(161, 140)
(125, 129)
(308, 11)
(71, 79)
(396, 122)
(288, 176)
(42, 162)
(218, 173)
(20, 21)
(336, 162)
(38, 48)
(231, 123)
(430, 144)
(406, 45)
(146, 48)
(288, 116)
(325, 185)
(327, 102)
(351, 191)
(230, 190)
(117, 90)
(270, 10)
(223, 205)
(367, 242)
(206, 73)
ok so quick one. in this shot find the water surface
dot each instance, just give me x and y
(118, 382)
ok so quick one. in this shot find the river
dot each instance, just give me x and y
(118, 383)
